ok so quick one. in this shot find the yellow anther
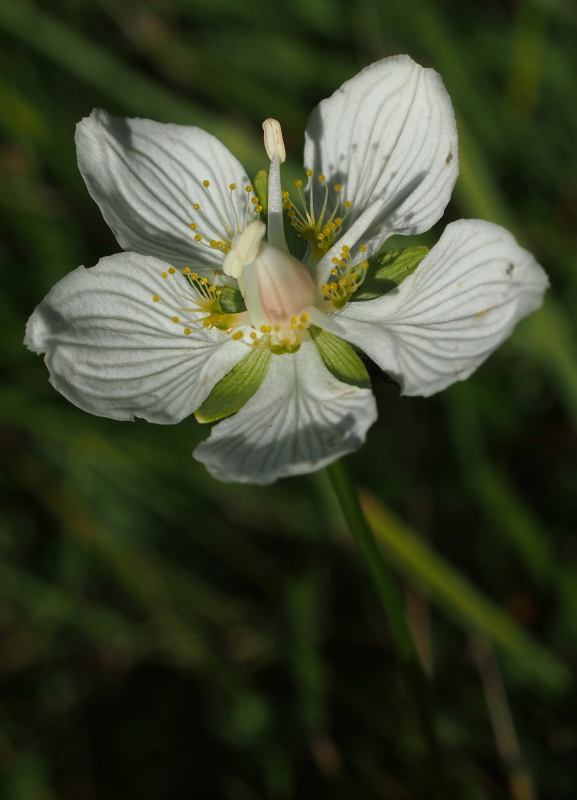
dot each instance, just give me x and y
(232, 186)
(254, 200)
(203, 281)
(362, 249)
(304, 317)
(276, 328)
(171, 270)
(320, 236)
(338, 221)
(258, 209)
(285, 195)
(175, 319)
(212, 289)
(325, 287)
(196, 206)
(335, 260)
(194, 276)
(310, 173)
(298, 184)
(292, 213)
(337, 187)
(206, 183)
(294, 320)
(213, 243)
(347, 204)
(293, 326)
(186, 271)
(322, 178)
(198, 238)
(237, 335)
(248, 188)
(253, 334)
(192, 226)
(345, 248)
(327, 231)
(365, 265)
(335, 271)
(187, 331)
(165, 274)
(156, 298)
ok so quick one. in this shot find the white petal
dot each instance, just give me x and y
(146, 177)
(445, 319)
(299, 420)
(389, 137)
(114, 352)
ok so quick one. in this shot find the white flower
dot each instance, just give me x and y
(211, 313)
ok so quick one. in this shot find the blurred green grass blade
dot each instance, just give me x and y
(103, 71)
(303, 598)
(451, 590)
(495, 495)
(45, 602)
(528, 54)
(549, 338)
(476, 190)
(18, 115)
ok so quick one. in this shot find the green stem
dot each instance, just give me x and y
(393, 603)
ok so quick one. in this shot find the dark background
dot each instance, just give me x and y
(167, 636)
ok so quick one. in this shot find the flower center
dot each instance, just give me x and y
(277, 288)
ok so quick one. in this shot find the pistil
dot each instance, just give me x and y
(274, 146)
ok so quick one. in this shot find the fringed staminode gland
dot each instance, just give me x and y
(231, 223)
(345, 279)
(200, 303)
(319, 226)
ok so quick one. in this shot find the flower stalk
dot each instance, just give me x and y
(394, 607)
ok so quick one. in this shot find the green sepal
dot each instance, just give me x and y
(340, 358)
(388, 270)
(232, 392)
(260, 184)
(231, 300)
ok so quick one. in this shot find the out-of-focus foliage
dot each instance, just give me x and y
(166, 636)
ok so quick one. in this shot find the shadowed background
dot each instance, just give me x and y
(168, 636)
